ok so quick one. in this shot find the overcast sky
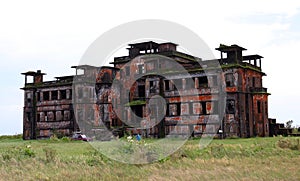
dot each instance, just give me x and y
(53, 35)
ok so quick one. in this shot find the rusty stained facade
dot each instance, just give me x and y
(47, 106)
(62, 106)
(191, 96)
(92, 101)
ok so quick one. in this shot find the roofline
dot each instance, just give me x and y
(90, 66)
(32, 73)
(83, 66)
(255, 55)
(168, 43)
(134, 44)
(223, 47)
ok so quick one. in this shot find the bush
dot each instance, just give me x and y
(54, 137)
(289, 144)
(65, 139)
(28, 152)
(18, 153)
(6, 137)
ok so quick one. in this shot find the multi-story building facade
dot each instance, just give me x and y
(155, 91)
(47, 106)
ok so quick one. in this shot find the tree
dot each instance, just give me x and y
(288, 124)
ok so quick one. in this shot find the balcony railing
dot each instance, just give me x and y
(258, 89)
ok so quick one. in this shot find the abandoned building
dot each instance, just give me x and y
(130, 96)
(278, 128)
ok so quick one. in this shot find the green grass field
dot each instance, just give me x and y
(274, 158)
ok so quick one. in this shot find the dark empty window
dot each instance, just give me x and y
(152, 89)
(258, 107)
(38, 117)
(167, 85)
(28, 116)
(151, 83)
(72, 115)
(53, 116)
(46, 116)
(63, 117)
(63, 94)
(141, 90)
(28, 95)
(229, 80)
(153, 86)
(138, 111)
(106, 77)
(70, 93)
(46, 96)
(253, 81)
(203, 105)
(114, 122)
(38, 96)
(54, 95)
(28, 102)
(203, 82)
(230, 107)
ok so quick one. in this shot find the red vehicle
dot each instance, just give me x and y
(79, 136)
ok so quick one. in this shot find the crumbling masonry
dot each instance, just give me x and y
(95, 98)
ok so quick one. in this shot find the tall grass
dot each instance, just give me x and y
(232, 159)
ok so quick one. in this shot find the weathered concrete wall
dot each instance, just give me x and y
(190, 93)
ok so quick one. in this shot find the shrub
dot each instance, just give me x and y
(28, 152)
(6, 137)
(66, 139)
(289, 144)
(54, 137)
(18, 153)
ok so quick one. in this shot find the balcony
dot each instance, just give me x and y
(193, 91)
(258, 90)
